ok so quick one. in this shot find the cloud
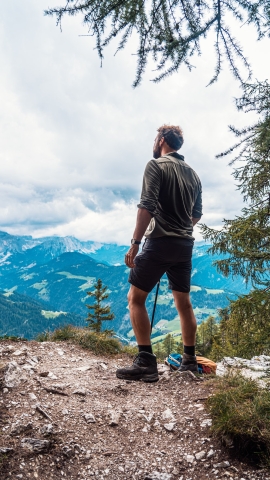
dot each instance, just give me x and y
(75, 138)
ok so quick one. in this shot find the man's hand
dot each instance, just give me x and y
(131, 254)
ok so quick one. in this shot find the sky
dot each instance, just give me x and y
(75, 138)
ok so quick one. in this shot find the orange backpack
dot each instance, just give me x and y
(208, 366)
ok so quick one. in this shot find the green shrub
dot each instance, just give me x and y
(43, 337)
(240, 412)
(61, 334)
(99, 343)
(129, 350)
(12, 338)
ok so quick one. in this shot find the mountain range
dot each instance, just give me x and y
(56, 273)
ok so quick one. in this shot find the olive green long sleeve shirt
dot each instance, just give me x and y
(172, 194)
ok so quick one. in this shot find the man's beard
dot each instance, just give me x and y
(157, 152)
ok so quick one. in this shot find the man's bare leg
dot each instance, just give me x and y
(138, 315)
(145, 364)
(189, 327)
(187, 317)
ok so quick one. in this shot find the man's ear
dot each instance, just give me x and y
(161, 141)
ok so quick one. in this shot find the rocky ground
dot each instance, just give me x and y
(64, 414)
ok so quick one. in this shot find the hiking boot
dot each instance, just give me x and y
(144, 368)
(189, 362)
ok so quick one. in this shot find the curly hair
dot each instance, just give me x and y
(172, 134)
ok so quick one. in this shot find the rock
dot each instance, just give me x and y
(149, 418)
(81, 392)
(84, 369)
(32, 396)
(13, 375)
(5, 390)
(206, 423)
(190, 458)
(158, 476)
(163, 369)
(35, 444)
(68, 451)
(44, 374)
(89, 418)
(168, 415)
(52, 376)
(188, 375)
(200, 455)
(18, 353)
(103, 366)
(8, 349)
(60, 352)
(169, 426)
(114, 418)
(224, 464)
(47, 430)
(18, 428)
(65, 411)
(211, 453)
(5, 450)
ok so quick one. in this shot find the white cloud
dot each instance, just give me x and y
(75, 138)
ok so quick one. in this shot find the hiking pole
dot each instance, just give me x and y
(155, 304)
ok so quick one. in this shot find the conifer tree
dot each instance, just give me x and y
(168, 344)
(170, 31)
(101, 313)
(244, 241)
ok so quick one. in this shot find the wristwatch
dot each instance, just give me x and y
(135, 242)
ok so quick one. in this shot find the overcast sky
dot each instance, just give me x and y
(75, 137)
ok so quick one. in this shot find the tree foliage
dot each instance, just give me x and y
(170, 31)
(101, 313)
(245, 240)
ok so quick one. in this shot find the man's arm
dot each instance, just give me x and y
(147, 207)
(143, 219)
(195, 220)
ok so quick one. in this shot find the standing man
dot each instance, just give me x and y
(170, 206)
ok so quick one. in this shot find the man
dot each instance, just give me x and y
(170, 205)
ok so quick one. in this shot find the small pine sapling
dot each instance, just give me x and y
(100, 313)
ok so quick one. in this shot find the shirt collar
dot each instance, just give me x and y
(177, 155)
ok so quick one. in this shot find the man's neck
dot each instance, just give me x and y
(166, 151)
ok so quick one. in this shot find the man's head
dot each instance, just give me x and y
(168, 139)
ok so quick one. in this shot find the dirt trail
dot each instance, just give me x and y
(64, 414)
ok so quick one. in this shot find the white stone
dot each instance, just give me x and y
(169, 426)
(115, 417)
(13, 375)
(32, 396)
(84, 369)
(200, 455)
(190, 458)
(60, 352)
(89, 418)
(211, 453)
(206, 423)
(224, 464)
(168, 415)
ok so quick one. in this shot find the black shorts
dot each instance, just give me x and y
(170, 255)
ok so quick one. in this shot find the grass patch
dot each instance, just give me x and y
(12, 338)
(240, 412)
(98, 343)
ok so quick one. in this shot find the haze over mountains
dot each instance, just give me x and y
(49, 278)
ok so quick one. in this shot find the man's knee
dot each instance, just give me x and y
(136, 296)
(182, 300)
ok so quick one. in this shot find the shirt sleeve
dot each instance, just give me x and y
(150, 187)
(197, 209)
